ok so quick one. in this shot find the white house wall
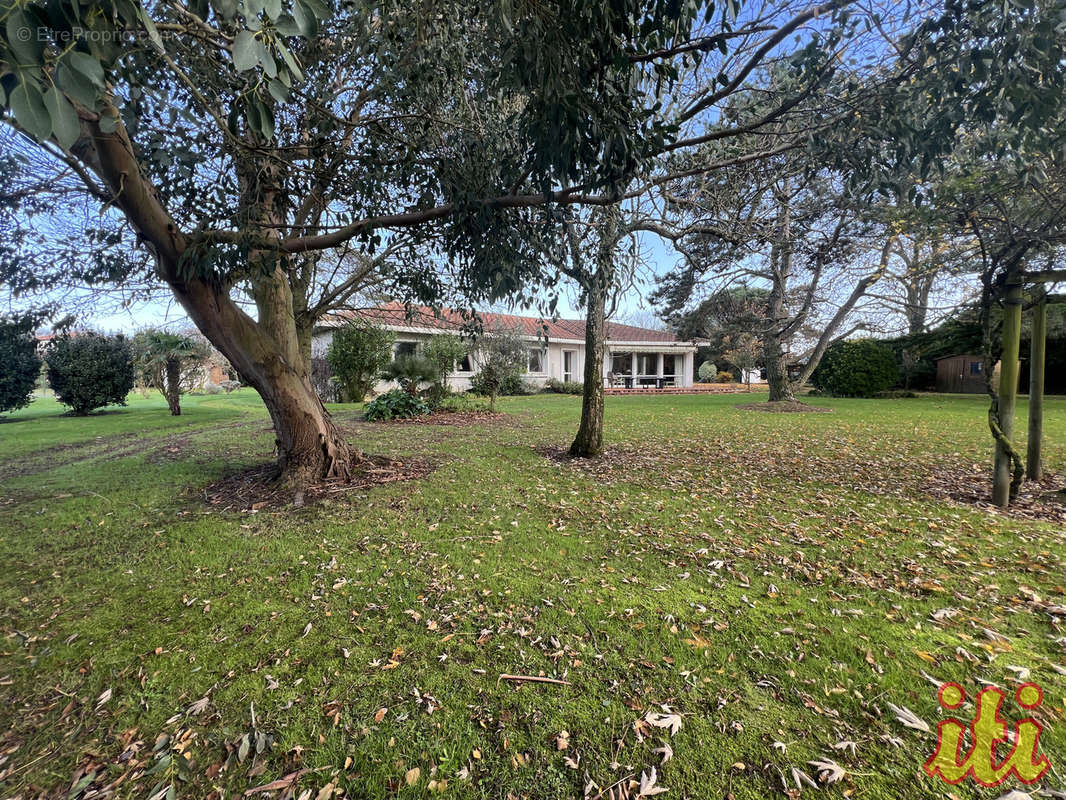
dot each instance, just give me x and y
(553, 361)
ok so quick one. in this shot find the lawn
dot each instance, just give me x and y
(729, 596)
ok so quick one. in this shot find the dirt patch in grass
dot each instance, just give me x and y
(785, 407)
(455, 418)
(255, 489)
(972, 485)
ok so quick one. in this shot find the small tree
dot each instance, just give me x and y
(443, 352)
(708, 371)
(503, 358)
(90, 371)
(19, 363)
(165, 362)
(861, 368)
(357, 355)
(743, 353)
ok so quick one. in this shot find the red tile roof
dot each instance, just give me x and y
(399, 315)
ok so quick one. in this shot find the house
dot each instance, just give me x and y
(635, 357)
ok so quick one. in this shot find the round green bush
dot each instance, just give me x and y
(90, 371)
(19, 364)
(396, 404)
(860, 368)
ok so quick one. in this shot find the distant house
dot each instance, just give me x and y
(635, 357)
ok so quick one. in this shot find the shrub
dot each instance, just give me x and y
(20, 365)
(860, 368)
(357, 354)
(510, 385)
(443, 352)
(459, 403)
(230, 386)
(708, 371)
(396, 404)
(724, 377)
(212, 388)
(410, 372)
(564, 387)
(90, 371)
(503, 359)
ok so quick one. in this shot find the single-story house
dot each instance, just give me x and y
(636, 357)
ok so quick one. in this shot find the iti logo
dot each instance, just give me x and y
(987, 730)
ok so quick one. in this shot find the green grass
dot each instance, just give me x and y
(771, 578)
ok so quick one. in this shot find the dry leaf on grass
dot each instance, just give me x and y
(909, 718)
(671, 722)
(648, 787)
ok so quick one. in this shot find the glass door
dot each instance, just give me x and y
(568, 365)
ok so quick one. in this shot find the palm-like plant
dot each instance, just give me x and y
(163, 357)
(410, 372)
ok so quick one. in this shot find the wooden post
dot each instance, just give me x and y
(1037, 349)
(1008, 389)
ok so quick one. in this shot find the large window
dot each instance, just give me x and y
(669, 365)
(647, 364)
(465, 365)
(536, 361)
(621, 363)
(406, 349)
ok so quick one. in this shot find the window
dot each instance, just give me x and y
(975, 367)
(406, 349)
(465, 365)
(621, 363)
(668, 365)
(536, 361)
(568, 365)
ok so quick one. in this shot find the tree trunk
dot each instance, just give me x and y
(781, 388)
(266, 352)
(589, 439)
(309, 447)
(172, 378)
(1034, 467)
(1003, 483)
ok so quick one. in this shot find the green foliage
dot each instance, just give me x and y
(708, 371)
(859, 368)
(503, 360)
(511, 384)
(90, 371)
(462, 403)
(20, 366)
(443, 352)
(564, 387)
(357, 354)
(410, 372)
(397, 404)
(161, 356)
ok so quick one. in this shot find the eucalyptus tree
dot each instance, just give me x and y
(243, 143)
